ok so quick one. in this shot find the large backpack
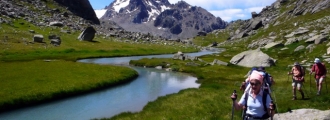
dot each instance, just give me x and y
(301, 70)
(264, 99)
(267, 79)
(321, 69)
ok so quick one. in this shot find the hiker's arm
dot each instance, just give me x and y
(312, 69)
(237, 105)
(290, 72)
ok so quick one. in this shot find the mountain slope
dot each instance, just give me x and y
(161, 18)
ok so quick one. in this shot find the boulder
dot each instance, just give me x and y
(56, 23)
(274, 44)
(318, 39)
(252, 58)
(88, 34)
(38, 38)
(218, 62)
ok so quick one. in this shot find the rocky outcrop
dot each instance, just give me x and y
(88, 34)
(252, 58)
(268, 16)
(81, 8)
(303, 7)
(71, 14)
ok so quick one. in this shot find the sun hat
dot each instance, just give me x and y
(317, 60)
(257, 75)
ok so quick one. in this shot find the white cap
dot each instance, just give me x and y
(317, 60)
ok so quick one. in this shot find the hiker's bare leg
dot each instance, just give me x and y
(320, 84)
(317, 83)
(294, 92)
(300, 90)
(294, 86)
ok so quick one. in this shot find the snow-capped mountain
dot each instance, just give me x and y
(137, 11)
(100, 13)
(161, 18)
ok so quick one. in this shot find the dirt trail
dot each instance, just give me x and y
(304, 114)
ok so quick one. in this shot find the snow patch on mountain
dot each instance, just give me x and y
(164, 8)
(100, 13)
(153, 14)
(120, 4)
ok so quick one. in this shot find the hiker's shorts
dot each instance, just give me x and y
(320, 80)
(297, 84)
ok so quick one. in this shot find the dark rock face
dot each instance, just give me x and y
(81, 8)
(161, 18)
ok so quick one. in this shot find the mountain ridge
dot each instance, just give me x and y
(181, 20)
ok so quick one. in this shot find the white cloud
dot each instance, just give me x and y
(229, 10)
(234, 14)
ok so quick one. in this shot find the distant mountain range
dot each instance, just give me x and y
(160, 18)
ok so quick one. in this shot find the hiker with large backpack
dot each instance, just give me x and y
(257, 103)
(246, 82)
(267, 80)
(298, 74)
(320, 73)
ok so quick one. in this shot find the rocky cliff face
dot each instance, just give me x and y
(161, 18)
(80, 8)
(270, 14)
(46, 12)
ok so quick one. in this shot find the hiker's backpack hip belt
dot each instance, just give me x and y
(250, 117)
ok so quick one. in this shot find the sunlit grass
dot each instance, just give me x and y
(24, 83)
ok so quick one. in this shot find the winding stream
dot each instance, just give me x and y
(132, 96)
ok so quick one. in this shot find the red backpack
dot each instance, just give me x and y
(320, 69)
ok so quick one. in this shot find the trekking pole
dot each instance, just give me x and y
(232, 109)
(310, 83)
(275, 102)
(325, 81)
(302, 87)
(271, 116)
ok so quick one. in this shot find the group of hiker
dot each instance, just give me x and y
(256, 101)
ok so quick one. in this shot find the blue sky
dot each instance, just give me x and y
(227, 10)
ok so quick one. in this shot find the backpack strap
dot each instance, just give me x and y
(245, 109)
(264, 99)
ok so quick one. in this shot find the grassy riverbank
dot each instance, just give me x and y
(212, 101)
(31, 73)
(32, 82)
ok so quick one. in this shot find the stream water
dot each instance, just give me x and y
(132, 96)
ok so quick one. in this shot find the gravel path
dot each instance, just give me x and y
(304, 114)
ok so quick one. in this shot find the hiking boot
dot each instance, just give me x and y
(318, 93)
(294, 98)
(302, 96)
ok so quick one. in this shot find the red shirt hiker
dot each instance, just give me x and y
(319, 69)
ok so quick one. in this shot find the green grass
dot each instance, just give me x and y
(212, 99)
(25, 83)
(18, 46)
(28, 80)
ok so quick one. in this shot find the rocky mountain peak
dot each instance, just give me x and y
(161, 18)
(136, 11)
